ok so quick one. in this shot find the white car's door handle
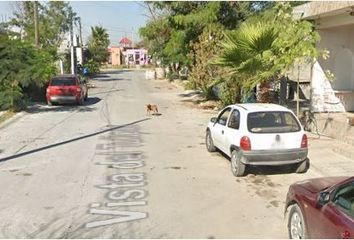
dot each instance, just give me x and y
(222, 131)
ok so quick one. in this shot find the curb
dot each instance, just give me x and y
(11, 120)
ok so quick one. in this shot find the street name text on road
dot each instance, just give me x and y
(126, 188)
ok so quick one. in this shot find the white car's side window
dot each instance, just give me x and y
(222, 119)
(234, 121)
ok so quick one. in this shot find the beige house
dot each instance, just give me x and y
(115, 57)
(335, 23)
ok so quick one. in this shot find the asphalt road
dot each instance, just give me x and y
(107, 170)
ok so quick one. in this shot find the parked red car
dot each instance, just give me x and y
(321, 208)
(66, 88)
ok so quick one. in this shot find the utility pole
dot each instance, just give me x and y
(80, 31)
(36, 30)
(132, 38)
(72, 43)
(79, 55)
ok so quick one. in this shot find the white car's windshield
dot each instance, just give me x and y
(272, 122)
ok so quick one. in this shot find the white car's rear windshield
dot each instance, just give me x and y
(272, 122)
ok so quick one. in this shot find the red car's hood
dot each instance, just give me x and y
(315, 185)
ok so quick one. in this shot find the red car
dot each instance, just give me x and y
(66, 88)
(321, 208)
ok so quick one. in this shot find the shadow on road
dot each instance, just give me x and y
(105, 72)
(70, 140)
(110, 79)
(104, 92)
(86, 107)
(271, 170)
(190, 94)
(267, 170)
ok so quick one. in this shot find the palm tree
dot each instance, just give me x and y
(99, 36)
(266, 46)
(249, 53)
(98, 44)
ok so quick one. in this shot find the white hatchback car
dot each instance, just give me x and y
(258, 134)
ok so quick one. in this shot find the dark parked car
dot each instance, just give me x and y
(66, 88)
(321, 208)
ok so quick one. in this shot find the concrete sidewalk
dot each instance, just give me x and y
(326, 162)
(11, 119)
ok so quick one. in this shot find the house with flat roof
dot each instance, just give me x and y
(334, 21)
(115, 55)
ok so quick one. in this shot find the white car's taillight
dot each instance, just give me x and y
(304, 141)
(245, 143)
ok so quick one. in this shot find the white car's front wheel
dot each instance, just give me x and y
(237, 167)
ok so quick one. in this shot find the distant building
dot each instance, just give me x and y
(126, 54)
(136, 57)
(115, 57)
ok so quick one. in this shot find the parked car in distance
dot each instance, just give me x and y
(258, 134)
(66, 88)
(321, 208)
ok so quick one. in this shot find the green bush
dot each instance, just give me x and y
(22, 65)
(172, 76)
(11, 98)
(190, 85)
(92, 66)
(230, 92)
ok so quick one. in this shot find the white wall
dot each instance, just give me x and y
(340, 43)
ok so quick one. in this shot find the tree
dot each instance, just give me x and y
(264, 48)
(246, 50)
(97, 47)
(99, 36)
(175, 26)
(205, 75)
(55, 23)
(21, 65)
(54, 20)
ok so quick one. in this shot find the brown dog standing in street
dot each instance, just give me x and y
(151, 108)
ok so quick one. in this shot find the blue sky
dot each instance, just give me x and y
(120, 18)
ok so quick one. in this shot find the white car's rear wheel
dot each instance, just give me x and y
(209, 142)
(237, 167)
(303, 166)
